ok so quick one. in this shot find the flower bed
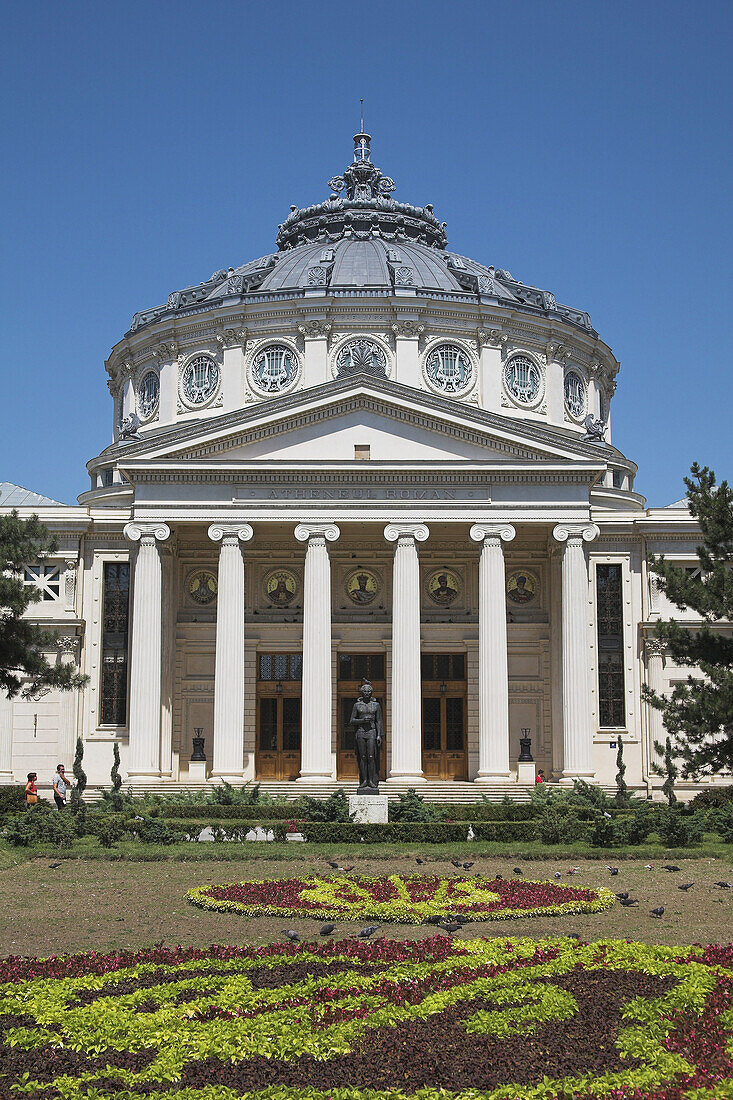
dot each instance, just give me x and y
(409, 900)
(353, 1020)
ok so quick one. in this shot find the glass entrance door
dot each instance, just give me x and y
(278, 716)
(444, 742)
(353, 669)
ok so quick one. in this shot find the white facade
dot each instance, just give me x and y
(363, 454)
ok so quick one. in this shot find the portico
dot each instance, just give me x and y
(275, 680)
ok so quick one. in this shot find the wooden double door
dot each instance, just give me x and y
(278, 741)
(353, 669)
(444, 740)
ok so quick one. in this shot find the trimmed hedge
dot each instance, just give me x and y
(415, 832)
(11, 799)
(212, 811)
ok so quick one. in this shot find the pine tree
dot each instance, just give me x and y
(24, 668)
(77, 792)
(669, 769)
(622, 791)
(698, 715)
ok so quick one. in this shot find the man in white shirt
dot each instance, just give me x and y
(60, 786)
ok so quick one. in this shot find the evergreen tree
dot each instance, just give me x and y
(24, 668)
(698, 714)
(115, 797)
(77, 792)
(622, 791)
(669, 769)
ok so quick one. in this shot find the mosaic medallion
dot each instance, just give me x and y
(362, 586)
(521, 586)
(444, 587)
(281, 587)
(201, 586)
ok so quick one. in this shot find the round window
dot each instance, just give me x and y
(274, 368)
(522, 379)
(361, 356)
(574, 394)
(200, 380)
(148, 394)
(449, 368)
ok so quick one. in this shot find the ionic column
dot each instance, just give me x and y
(576, 694)
(655, 651)
(406, 682)
(146, 649)
(493, 691)
(228, 754)
(315, 743)
(67, 645)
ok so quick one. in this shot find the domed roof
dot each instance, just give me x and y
(361, 238)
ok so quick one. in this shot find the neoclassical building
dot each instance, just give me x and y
(363, 455)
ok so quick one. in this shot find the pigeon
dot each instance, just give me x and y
(658, 912)
(498, 878)
(623, 896)
(332, 863)
(573, 871)
(686, 886)
(648, 866)
(457, 863)
(671, 867)
(291, 935)
(419, 861)
(723, 885)
(468, 866)
(518, 871)
(367, 932)
(612, 870)
(53, 866)
(627, 902)
(573, 936)
(452, 927)
(327, 929)
(558, 874)
(608, 816)
(459, 917)
(434, 919)
(347, 869)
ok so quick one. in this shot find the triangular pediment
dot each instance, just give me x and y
(325, 424)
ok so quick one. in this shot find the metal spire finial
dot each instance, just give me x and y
(362, 115)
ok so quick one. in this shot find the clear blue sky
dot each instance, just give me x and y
(584, 146)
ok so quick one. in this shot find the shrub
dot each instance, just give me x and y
(247, 795)
(206, 811)
(153, 831)
(11, 800)
(77, 791)
(634, 828)
(603, 832)
(413, 832)
(709, 799)
(722, 822)
(411, 807)
(679, 830)
(41, 825)
(333, 808)
(621, 797)
(107, 827)
(558, 827)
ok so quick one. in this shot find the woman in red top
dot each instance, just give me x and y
(31, 791)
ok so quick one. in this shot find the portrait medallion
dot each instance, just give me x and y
(362, 586)
(281, 587)
(444, 587)
(201, 586)
(521, 586)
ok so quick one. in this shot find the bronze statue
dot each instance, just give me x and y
(366, 719)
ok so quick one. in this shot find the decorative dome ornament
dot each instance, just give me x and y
(523, 380)
(449, 368)
(200, 380)
(361, 356)
(274, 368)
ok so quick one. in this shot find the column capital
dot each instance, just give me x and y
(585, 531)
(135, 532)
(654, 648)
(220, 531)
(306, 531)
(482, 531)
(395, 531)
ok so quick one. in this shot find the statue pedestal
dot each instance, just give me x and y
(526, 772)
(197, 771)
(368, 809)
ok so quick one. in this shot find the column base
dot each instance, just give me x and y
(222, 777)
(6, 777)
(568, 779)
(406, 778)
(315, 777)
(495, 777)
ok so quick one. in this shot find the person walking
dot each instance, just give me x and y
(60, 786)
(31, 790)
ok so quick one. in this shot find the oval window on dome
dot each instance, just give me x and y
(449, 368)
(274, 368)
(523, 379)
(200, 380)
(574, 394)
(361, 356)
(148, 394)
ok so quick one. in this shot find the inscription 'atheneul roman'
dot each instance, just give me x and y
(301, 492)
